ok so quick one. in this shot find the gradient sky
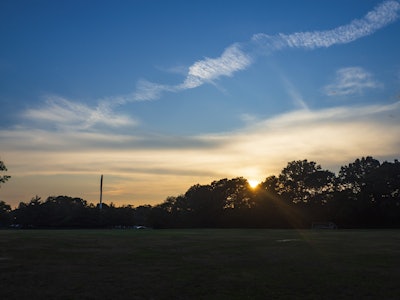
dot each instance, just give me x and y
(161, 95)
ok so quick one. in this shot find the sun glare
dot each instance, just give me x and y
(253, 183)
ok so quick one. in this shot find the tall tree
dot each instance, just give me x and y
(270, 209)
(304, 181)
(30, 214)
(201, 206)
(352, 177)
(64, 211)
(233, 193)
(354, 204)
(382, 189)
(5, 214)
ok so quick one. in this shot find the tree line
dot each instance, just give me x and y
(365, 193)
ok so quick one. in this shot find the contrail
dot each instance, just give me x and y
(239, 56)
(381, 16)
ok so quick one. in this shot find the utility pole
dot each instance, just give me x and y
(101, 192)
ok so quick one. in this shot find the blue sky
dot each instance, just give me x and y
(161, 95)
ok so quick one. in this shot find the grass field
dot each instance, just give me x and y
(199, 264)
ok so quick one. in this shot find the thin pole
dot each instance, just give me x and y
(101, 192)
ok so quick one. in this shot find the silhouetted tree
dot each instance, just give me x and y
(173, 212)
(353, 200)
(382, 189)
(142, 215)
(5, 214)
(202, 209)
(271, 210)
(238, 200)
(29, 214)
(352, 177)
(60, 211)
(64, 211)
(212, 205)
(305, 182)
(237, 193)
(364, 194)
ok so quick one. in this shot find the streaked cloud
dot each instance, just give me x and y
(332, 137)
(147, 90)
(70, 115)
(384, 14)
(351, 80)
(233, 59)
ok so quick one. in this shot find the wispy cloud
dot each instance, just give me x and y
(147, 90)
(233, 59)
(351, 80)
(70, 115)
(207, 70)
(382, 15)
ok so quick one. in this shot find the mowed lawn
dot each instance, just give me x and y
(200, 264)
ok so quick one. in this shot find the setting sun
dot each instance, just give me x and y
(253, 183)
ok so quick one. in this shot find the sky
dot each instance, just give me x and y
(161, 95)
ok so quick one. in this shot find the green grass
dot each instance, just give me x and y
(199, 264)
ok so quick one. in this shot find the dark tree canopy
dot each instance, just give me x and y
(365, 193)
(303, 181)
(352, 177)
(5, 213)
